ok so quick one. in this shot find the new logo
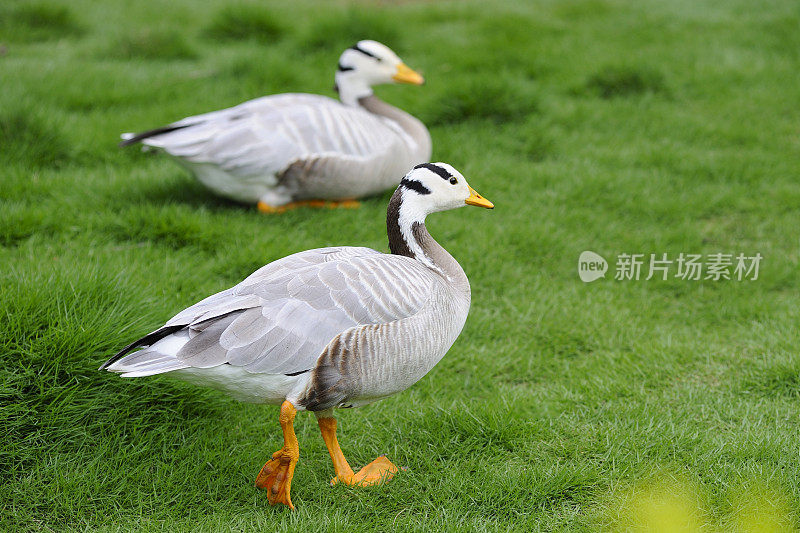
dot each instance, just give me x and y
(591, 266)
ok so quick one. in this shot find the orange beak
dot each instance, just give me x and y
(405, 75)
(477, 199)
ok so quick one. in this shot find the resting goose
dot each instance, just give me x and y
(326, 328)
(286, 150)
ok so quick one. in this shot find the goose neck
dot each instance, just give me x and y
(413, 127)
(409, 237)
(352, 89)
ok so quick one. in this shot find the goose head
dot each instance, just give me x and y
(426, 189)
(432, 187)
(369, 63)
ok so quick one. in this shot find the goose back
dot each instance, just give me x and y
(306, 146)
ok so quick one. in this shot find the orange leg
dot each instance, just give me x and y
(330, 204)
(277, 474)
(379, 470)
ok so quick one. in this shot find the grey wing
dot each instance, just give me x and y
(280, 319)
(266, 135)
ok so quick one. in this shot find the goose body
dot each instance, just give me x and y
(280, 149)
(330, 327)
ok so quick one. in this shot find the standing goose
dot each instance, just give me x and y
(326, 328)
(287, 150)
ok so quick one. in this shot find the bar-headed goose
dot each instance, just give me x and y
(326, 328)
(291, 149)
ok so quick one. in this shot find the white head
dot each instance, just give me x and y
(432, 187)
(369, 63)
(426, 189)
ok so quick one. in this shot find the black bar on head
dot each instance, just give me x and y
(444, 174)
(365, 52)
(415, 185)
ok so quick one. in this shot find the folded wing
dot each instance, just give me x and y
(280, 318)
(264, 136)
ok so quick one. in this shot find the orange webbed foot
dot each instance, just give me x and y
(378, 471)
(271, 209)
(317, 204)
(345, 204)
(277, 475)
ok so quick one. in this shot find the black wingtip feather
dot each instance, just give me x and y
(147, 340)
(151, 133)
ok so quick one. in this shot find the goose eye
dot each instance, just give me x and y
(453, 181)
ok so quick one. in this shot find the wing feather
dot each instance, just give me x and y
(266, 135)
(280, 318)
(204, 350)
(247, 328)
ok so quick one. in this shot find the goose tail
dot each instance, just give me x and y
(133, 138)
(158, 354)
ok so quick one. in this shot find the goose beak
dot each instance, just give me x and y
(405, 75)
(477, 199)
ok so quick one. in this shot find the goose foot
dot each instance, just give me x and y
(378, 471)
(318, 204)
(277, 475)
(343, 204)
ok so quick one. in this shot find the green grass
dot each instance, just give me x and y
(30, 139)
(37, 21)
(338, 29)
(618, 127)
(611, 82)
(150, 44)
(242, 22)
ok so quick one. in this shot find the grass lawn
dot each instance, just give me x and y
(606, 125)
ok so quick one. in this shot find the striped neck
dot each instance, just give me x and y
(409, 237)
